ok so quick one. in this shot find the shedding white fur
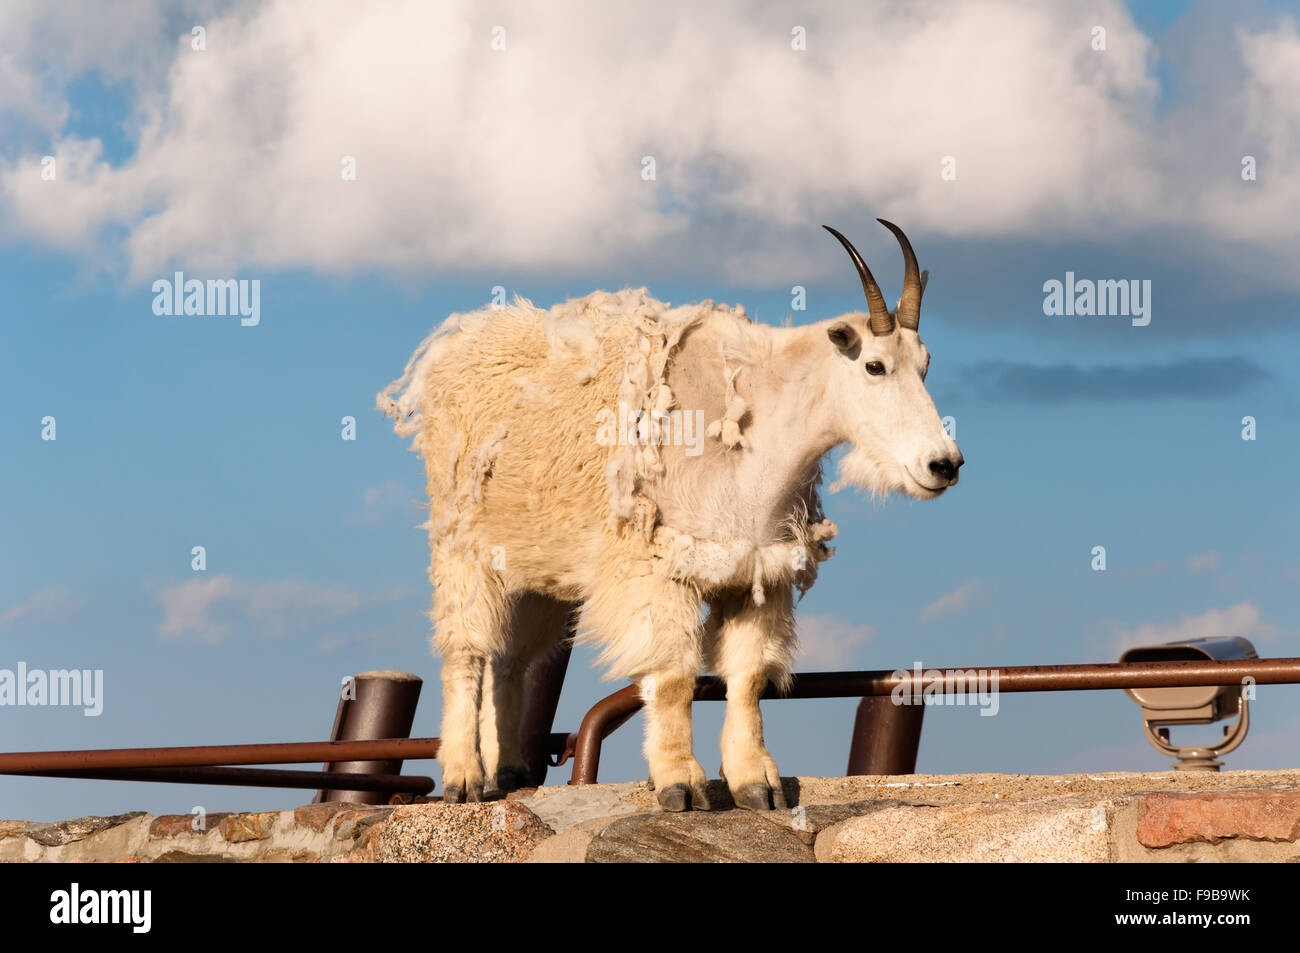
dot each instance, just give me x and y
(534, 518)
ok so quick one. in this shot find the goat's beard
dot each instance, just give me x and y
(859, 469)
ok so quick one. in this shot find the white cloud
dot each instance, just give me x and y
(46, 46)
(1204, 562)
(377, 501)
(827, 642)
(51, 604)
(965, 596)
(207, 608)
(1243, 619)
(188, 605)
(531, 157)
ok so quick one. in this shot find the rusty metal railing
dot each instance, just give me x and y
(885, 738)
(207, 764)
(362, 763)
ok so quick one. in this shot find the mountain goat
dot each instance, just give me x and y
(649, 463)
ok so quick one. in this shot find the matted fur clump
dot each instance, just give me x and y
(535, 385)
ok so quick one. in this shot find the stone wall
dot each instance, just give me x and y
(1176, 817)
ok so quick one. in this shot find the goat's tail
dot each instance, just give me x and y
(402, 399)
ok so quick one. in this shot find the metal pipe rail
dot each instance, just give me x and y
(207, 764)
(896, 737)
(885, 739)
(27, 762)
(249, 777)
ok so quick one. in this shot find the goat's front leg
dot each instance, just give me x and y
(751, 773)
(650, 629)
(679, 780)
(751, 645)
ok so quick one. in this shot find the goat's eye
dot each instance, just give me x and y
(875, 368)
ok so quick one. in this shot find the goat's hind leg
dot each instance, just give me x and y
(470, 615)
(537, 624)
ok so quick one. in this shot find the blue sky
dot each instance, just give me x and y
(175, 432)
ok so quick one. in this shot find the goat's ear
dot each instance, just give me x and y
(925, 279)
(843, 336)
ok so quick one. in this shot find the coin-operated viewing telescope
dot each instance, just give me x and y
(1195, 705)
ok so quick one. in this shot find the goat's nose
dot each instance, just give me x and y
(945, 468)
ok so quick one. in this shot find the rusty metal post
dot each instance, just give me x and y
(886, 737)
(543, 683)
(605, 717)
(383, 707)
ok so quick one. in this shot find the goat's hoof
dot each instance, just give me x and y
(675, 797)
(455, 794)
(778, 796)
(759, 797)
(680, 797)
(700, 798)
(512, 779)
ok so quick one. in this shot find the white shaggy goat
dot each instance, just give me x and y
(563, 468)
